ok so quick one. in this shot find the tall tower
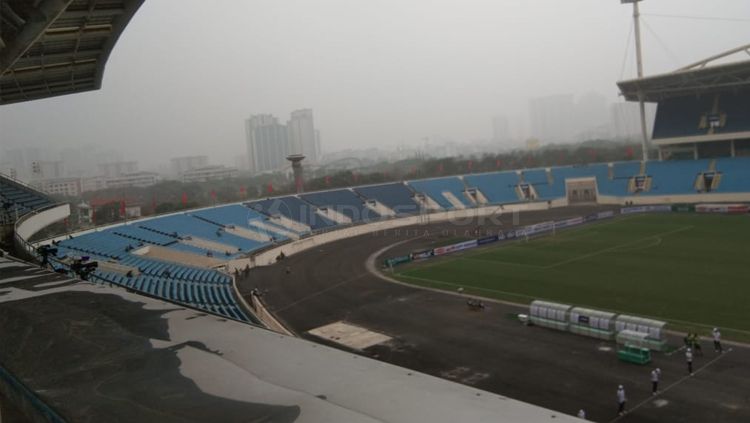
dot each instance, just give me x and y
(296, 160)
(302, 135)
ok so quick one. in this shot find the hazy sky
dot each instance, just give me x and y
(186, 73)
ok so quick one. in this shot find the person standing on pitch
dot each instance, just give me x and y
(689, 359)
(582, 414)
(621, 399)
(717, 340)
(655, 375)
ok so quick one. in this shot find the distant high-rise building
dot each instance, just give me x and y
(500, 129)
(626, 120)
(267, 143)
(48, 169)
(180, 165)
(114, 169)
(302, 135)
(553, 118)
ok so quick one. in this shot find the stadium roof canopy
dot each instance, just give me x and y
(56, 47)
(697, 78)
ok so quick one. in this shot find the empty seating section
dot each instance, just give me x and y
(236, 215)
(188, 226)
(17, 200)
(396, 197)
(735, 107)
(293, 208)
(538, 178)
(215, 297)
(498, 188)
(735, 175)
(622, 172)
(103, 244)
(681, 116)
(143, 235)
(674, 177)
(343, 201)
(434, 188)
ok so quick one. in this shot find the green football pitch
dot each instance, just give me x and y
(689, 269)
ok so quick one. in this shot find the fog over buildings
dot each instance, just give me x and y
(428, 75)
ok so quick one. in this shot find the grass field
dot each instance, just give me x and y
(691, 270)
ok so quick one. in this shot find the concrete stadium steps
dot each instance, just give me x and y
(239, 217)
(173, 254)
(268, 227)
(396, 197)
(439, 188)
(248, 234)
(343, 201)
(296, 214)
(454, 201)
(496, 187)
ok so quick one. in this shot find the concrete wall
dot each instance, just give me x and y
(672, 199)
(269, 256)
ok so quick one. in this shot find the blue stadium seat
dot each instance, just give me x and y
(674, 177)
(236, 215)
(434, 188)
(735, 174)
(343, 201)
(681, 116)
(497, 187)
(187, 226)
(295, 209)
(395, 196)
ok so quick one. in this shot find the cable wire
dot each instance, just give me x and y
(700, 18)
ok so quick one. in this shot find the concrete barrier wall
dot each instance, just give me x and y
(672, 199)
(36, 221)
(269, 256)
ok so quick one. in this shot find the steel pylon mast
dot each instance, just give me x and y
(639, 63)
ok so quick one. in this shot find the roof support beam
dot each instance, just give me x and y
(38, 22)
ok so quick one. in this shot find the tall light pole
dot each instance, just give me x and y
(639, 62)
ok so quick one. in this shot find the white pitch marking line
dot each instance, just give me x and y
(596, 253)
(684, 378)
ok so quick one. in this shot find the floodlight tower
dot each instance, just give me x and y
(296, 160)
(639, 62)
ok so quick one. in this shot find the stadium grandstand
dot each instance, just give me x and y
(701, 108)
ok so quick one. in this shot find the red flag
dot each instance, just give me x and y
(184, 199)
(213, 194)
(269, 189)
(122, 208)
(498, 163)
(328, 180)
(629, 152)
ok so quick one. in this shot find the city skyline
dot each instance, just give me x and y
(384, 75)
